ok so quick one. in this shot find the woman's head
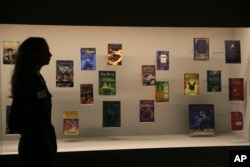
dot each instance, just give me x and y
(32, 54)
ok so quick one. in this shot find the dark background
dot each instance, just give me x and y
(153, 13)
(170, 13)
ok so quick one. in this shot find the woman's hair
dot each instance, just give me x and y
(28, 55)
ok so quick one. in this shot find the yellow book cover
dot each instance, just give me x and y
(70, 123)
(191, 84)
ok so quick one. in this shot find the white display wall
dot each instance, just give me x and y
(139, 48)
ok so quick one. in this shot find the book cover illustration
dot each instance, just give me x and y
(86, 96)
(236, 89)
(201, 119)
(162, 60)
(70, 123)
(232, 51)
(148, 75)
(64, 73)
(147, 112)
(10, 51)
(191, 84)
(114, 56)
(236, 120)
(107, 83)
(213, 80)
(162, 91)
(7, 119)
(201, 49)
(111, 113)
(88, 59)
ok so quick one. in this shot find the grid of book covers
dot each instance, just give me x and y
(201, 116)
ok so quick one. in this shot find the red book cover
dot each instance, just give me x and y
(236, 89)
(147, 111)
(236, 120)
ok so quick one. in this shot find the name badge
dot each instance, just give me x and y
(41, 94)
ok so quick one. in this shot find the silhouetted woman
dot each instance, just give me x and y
(31, 106)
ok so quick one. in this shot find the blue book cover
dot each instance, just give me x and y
(88, 59)
(201, 119)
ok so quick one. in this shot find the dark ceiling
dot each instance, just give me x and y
(169, 13)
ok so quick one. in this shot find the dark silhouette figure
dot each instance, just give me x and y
(30, 114)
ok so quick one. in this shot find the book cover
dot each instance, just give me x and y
(236, 120)
(162, 91)
(10, 51)
(70, 123)
(107, 83)
(111, 114)
(213, 80)
(114, 56)
(201, 119)
(87, 96)
(147, 112)
(236, 89)
(64, 73)
(232, 51)
(162, 60)
(201, 49)
(191, 84)
(7, 130)
(148, 75)
(88, 59)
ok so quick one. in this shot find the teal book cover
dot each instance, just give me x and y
(111, 113)
(214, 81)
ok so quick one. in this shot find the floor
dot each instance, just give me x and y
(74, 144)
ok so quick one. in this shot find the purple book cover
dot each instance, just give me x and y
(162, 60)
(232, 51)
(201, 49)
